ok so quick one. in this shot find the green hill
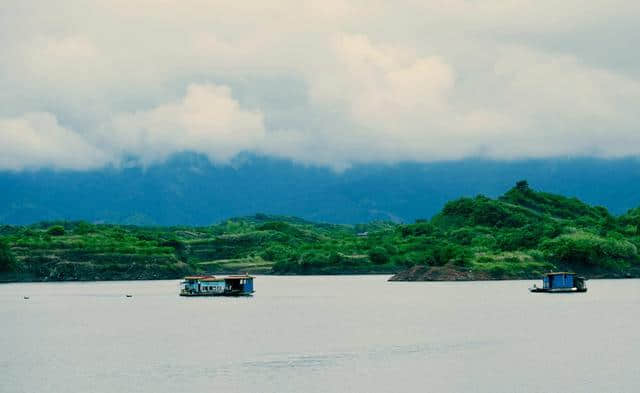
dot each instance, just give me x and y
(525, 232)
(521, 234)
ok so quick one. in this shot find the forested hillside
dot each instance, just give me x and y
(521, 234)
(190, 190)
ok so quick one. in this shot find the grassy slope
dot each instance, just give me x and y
(519, 235)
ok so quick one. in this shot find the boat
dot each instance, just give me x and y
(561, 282)
(241, 285)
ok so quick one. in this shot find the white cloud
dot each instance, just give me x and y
(409, 80)
(382, 87)
(206, 120)
(36, 140)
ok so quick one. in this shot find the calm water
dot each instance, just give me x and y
(320, 334)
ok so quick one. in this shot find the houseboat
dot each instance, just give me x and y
(561, 282)
(217, 286)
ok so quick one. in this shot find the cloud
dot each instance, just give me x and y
(36, 140)
(206, 120)
(337, 83)
(528, 103)
(382, 87)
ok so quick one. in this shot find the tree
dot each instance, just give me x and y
(379, 255)
(522, 185)
(7, 260)
(56, 230)
(82, 228)
(589, 249)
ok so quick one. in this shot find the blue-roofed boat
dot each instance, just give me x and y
(561, 282)
(241, 285)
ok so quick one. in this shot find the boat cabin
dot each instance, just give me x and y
(202, 285)
(217, 286)
(558, 280)
(561, 282)
(239, 284)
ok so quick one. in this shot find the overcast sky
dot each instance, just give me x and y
(85, 84)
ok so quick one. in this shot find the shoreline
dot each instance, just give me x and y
(390, 279)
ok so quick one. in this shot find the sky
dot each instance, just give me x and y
(91, 84)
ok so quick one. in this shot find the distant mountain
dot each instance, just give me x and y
(189, 190)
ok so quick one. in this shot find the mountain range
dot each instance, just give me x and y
(189, 190)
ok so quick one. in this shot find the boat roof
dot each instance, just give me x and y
(214, 278)
(197, 277)
(559, 273)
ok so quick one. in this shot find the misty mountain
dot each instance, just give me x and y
(189, 190)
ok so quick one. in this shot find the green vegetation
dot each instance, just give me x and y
(7, 260)
(55, 230)
(522, 234)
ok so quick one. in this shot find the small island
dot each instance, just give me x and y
(520, 235)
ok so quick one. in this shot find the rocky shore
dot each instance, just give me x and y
(451, 273)
(437, 273)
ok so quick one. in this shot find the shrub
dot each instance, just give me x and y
(461, 260)
(484, 241)
(176, 244)
(276, 252)
(82, 228)
(588, 249)
(56, 230)
(418, 229)
(485, 259)
(443, 253)
(312, 260)
(536, 255)
(379, 255)
(463, 236)
(7, 260)
(497, 271)
(522, 238)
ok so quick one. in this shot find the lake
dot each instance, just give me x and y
(320, 334)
